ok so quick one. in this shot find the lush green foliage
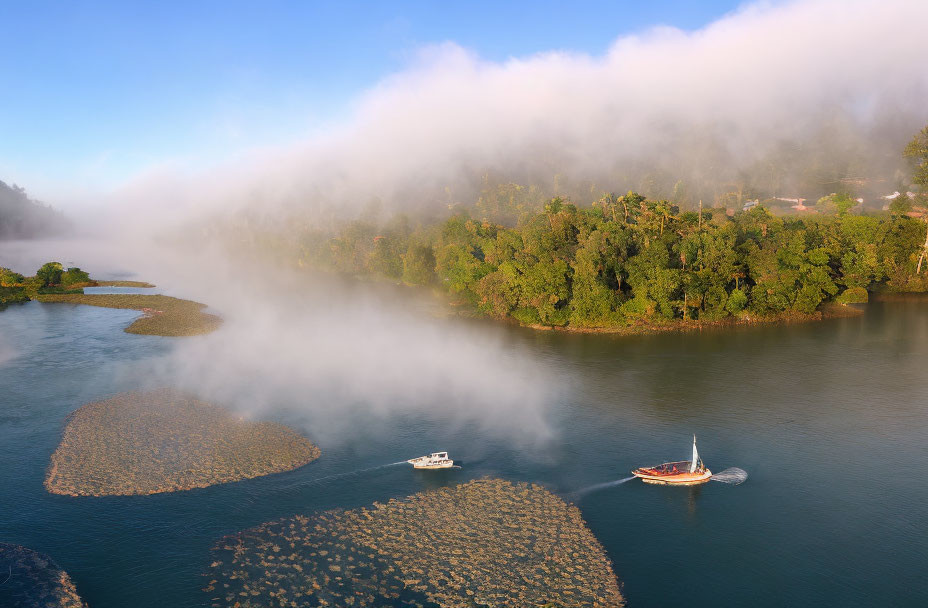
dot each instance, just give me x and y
(12, 295)
(74, 276)
(628, 260)
(8, 278)
(51, 278)
(853, 295)
(917, 152)
(50, 273)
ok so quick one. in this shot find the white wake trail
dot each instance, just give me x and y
(600, 486)
(311, 482)
(733, 476)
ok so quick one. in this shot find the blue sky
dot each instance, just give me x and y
(97, 92)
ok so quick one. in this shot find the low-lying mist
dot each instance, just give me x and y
(767, 98)
(337, 356)
(344, 356)
(793, 98)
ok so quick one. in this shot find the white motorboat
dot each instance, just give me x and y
(435, 460)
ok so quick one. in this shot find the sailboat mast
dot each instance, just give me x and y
(695, 460)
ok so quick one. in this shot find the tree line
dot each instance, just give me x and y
(22, 217)
(627, 260)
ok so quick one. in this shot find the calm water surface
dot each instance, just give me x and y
(829, 419)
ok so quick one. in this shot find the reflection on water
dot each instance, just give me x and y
(829, 419)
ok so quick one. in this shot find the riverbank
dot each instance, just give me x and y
(826, 311)
(165, 441)
(163, 315)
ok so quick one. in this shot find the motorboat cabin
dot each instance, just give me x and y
(435, 460)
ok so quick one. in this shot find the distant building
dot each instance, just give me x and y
(895, 195)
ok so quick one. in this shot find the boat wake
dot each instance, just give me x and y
(600, 486)
(292, 488)
(312, 482)
(733, 476)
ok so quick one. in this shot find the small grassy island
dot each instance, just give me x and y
(35, 581)
(162, 315)
(488, 542)
(166, 441)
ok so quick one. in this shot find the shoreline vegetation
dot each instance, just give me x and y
(161, 315)
(825, 311)
(594, 270)
(486, 542)
(158, 441)
(34, 580)
(629, 263)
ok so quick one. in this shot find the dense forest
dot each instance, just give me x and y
(21, 217)
(629, 261)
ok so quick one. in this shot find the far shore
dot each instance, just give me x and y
(828, 311)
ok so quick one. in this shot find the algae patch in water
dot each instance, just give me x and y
(31, 580)
(163, 315)
(165, 441)
(487, 542)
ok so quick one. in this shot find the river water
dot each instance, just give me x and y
(829, 419)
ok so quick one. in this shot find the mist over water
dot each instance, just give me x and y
(372, 372)
(820, 414)
(338, 354)
(7, 351)
(706, 104)
(773, 96)
(345, 356)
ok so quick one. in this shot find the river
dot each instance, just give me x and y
(829, 419)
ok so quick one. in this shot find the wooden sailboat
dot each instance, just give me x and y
(681, 473)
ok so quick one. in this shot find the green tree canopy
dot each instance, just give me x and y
(49, 274)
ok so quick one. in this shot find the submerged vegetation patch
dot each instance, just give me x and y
(163, 315)
(488, 542)
(29, 579)
(165, 441)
